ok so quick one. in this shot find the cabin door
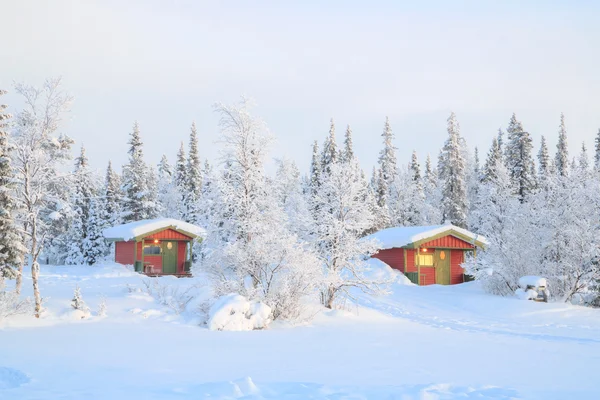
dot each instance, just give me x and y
(442, 266)
(169, 257)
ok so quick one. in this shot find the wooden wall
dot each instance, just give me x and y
(447, 242)
(392, 257)
(124, 253)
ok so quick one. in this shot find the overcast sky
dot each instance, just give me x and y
(164, 63)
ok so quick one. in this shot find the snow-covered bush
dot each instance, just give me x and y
(233, 312)
(173, 297)
(11, 304)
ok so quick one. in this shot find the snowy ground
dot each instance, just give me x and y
(418, 343)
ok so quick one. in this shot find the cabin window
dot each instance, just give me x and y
(151, 250)
(425, 260)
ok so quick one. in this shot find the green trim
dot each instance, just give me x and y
(450, 232)
(418, 264)
(405, 261)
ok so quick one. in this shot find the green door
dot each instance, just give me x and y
(169, 257)
(442, 266)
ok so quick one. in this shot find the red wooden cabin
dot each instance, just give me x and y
(154, 247)
(428, 255)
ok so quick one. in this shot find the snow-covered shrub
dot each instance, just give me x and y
(173, 297)
(234, 312)
(11, 304)
(526, 294)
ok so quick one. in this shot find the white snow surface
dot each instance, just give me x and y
(134, 229)
(531, 280)
(431, 342)
(234, 312)
(403, 235)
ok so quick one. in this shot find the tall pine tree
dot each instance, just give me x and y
(138, 201)
(330, 153)
(519, 159)
(544, 162)
(12, 247)
(193, 179)
(561, 161)
(453, 175)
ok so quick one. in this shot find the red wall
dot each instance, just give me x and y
(392, 257)
(180, 257)
(457, 257)
(448, 242)
(124, 253)
(168, 234)
(410, 261)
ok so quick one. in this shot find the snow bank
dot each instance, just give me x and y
(12, 378)
(404, 235)
(234, 312)
(139, 228)
(532, 280)
(529, 294)
(380, 271)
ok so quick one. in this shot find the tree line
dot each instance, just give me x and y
(282, 238)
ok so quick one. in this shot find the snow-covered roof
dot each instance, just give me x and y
(139, 229)
(402, 236)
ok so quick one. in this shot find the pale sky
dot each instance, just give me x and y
(164, 63)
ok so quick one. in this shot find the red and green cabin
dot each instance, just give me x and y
(428, 255)
(155, 247)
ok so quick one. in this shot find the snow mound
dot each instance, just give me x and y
(531, 280)
(234, 312)
(380, 271)
(526, 294)
(11, 378)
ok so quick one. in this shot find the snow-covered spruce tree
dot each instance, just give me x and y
(36, 159)
(406, 208)
(181, 179)
(168, 197)
(597, 152)
(193, 179)
(500, 138)
(561, 160)
(12, 247)
(343, 217)
(137, 201)
(112, 196)
(389, 170)
(77, 302)
(494, 158)
(519, 159)
(94, 245)
(348, 153)
(433, 198)
(544, 162)
(452, 170)
(83, 192)
(329, 156)
(583, 163)
(250, 251)
(287, 188)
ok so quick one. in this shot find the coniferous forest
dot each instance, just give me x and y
(281, 237)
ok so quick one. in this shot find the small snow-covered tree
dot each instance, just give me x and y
(453, 176)
(12, 248)
(77, 302)
(287, 188)
(433, 198)
(37, 157)
(168, 196)
(544, 162)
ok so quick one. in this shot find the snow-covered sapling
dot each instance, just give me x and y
(102, 307)
(77, 303)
